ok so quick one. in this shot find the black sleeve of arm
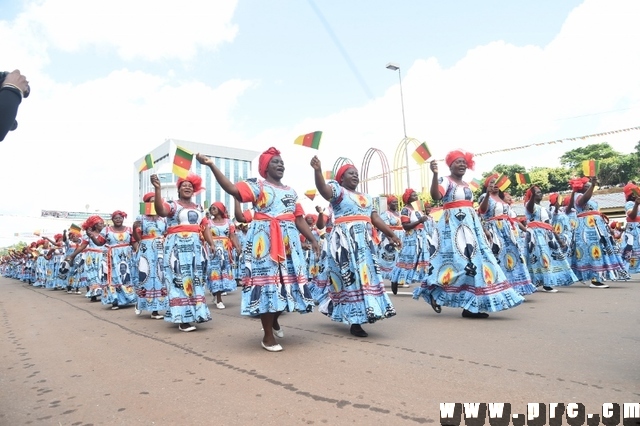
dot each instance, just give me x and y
(9, 101)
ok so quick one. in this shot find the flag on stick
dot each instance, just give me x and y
(75, 229)
(311, 194)
(636, 191)
(207, 204)
(422, 153)
(310, 140)
(591, 168)
(475, 184)
(503, 182)
(328, 174)
(182, 162)
(147, 163)
(523, 178)
(418, 205)
(148, 209)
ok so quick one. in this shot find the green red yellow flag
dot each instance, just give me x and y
(75, 229)
(422, 153)
(311, 194)
(418, 205)
(147, 163)
(310, 140)
(328, 174)
(591, 168)
(523, 178)
(182, 162)
(148, 209)
(503, 182)
(475, 184)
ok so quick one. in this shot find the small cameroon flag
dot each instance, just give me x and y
(311, 194)
(503, 182)
(310, 140)
(182, 162)
(418, 205)
(422, 153)
(75, 229)
(475, 184)
(328, 174)
(148, 209)
(591, 168)
(146, 164)
(523, 178)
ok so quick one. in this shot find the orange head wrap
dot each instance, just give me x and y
(221, 208)
(458, 153)
(194, 179)
(265, 158)
(407, 195)
(342, 170)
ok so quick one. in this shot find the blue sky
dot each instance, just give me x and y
(109, 86)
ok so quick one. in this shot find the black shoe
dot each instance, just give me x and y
(94, 298)
(394, 288)
(356, 330)
(548, 289)
(467, 314)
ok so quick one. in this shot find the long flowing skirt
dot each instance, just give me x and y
(594, 249)
(150, 288)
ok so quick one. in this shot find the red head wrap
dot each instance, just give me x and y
(265, 158)
(148, 196)
(342, 170)
(458, 153)
(628, 189)
(57, 237)
(391, 198)
(578, 184)
(407, 195)
(488, 179)
(565, 201)
(613, 224)
(91, 222)
(195, 180)
(529, 194)
(553, 198)
(312, 216)
(221, 208)
(118, 213)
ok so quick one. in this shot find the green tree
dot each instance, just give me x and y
(598, 151)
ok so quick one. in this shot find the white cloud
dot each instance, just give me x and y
(148, 29)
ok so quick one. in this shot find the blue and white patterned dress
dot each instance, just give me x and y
(185, 265)
(630, 247)
(94, 267)
(387, 253)
(505, 245)
(350, 272)
(412, 265)
(464, 273)
(150, 288)
(239, 256)
(270, 283)
(563, 229)
(548, 263)
(594, 252)
(220, 276)
(118, 288)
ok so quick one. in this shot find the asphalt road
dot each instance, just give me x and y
(66, 361)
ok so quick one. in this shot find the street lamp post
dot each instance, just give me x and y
(395, 67)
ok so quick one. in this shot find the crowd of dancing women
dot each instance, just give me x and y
(479, 257)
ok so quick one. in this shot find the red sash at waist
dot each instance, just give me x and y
(357, 217)
(183, 228)
(150, 237)
(536, 224)
(276, 252)
(456, 204)
(590, 213)
(637, 219)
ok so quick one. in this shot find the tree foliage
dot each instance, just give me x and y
(598, 151)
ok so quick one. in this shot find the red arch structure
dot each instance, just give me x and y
(386, 175)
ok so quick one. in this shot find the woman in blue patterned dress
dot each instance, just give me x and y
(631, 238)
(350, 270)
(594, 253)
(117, 289)
(387, 252)
(464, 273)
(148, 231)
(185, 259)
(504, 236)
(312, 260)
(275, 271)
(74, 240)
(561, 224)
(92, 261)
(548, 264)
(220, 277)
(412, 265)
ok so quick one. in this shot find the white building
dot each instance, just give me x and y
(235, 163)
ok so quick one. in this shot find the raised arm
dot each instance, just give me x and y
(435, 189)
(377, 221)
(77, 251)
(162, 208)
(323, 188)
(228, 186)
(586, 196)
